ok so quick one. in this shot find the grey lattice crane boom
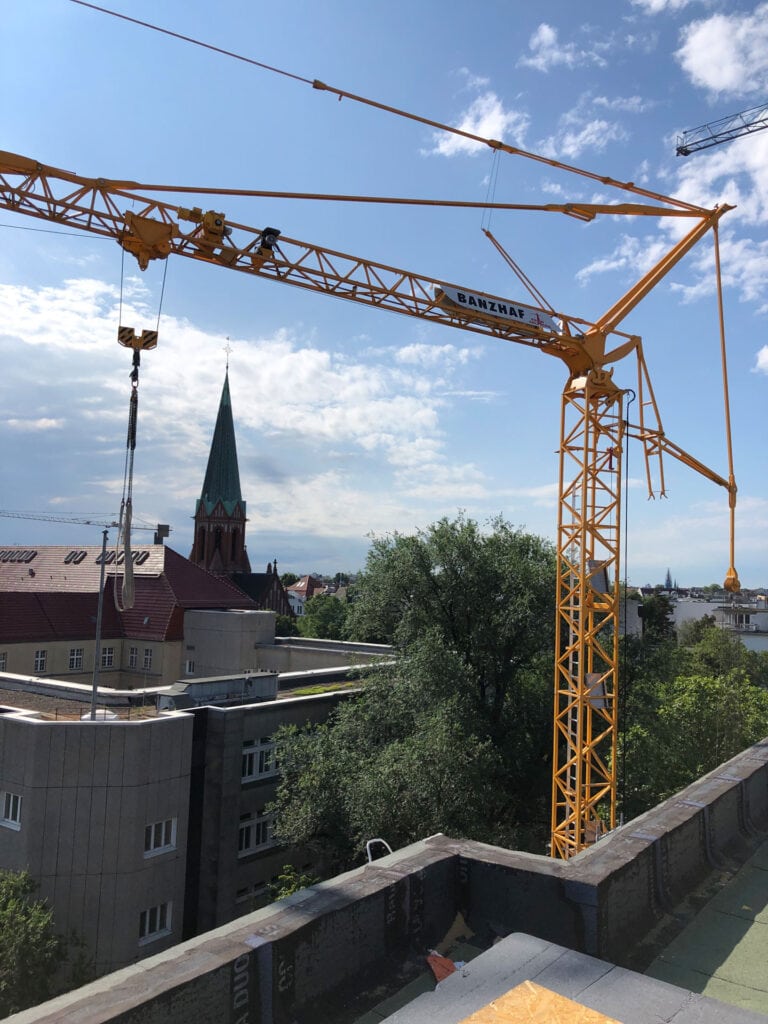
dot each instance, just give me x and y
(723, 130)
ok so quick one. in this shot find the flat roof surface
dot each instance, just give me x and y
(723, 952)
(592, 985)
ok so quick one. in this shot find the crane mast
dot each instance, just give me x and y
(593, 430)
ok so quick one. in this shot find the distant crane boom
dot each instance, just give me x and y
(724, 130)
(96, 520)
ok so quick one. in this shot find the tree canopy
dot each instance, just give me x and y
(30, 949)
(324, 616)
(488, 596)
(454, 736)
(685, 709)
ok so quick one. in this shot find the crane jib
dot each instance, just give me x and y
(474, 303)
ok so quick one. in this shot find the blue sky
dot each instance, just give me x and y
(352, 421)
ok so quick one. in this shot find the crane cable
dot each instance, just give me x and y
(732, 583)
(125, 600)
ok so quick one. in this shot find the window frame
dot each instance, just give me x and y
(255, 833)
(76, 659)
(164, 831)
(107, 657)
(257, 754)
(133, 657)
(155, 922)
(41, 659)
(10, 809)
(147, 659)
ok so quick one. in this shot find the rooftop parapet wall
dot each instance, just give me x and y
(324, 945)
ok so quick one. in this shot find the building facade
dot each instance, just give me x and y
(142, 831)
(49, 600)
(98, 813)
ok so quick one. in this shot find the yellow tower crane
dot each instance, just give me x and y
(593, 429)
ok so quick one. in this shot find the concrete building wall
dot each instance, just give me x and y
(88, 791)
(228, 881)
(302, 655)
(226, 642)
(341, 938)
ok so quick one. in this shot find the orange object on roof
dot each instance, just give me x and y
(441, 966)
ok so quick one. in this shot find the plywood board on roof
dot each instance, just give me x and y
(529, 1003)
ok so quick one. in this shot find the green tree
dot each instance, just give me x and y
(692, 631)
(489, 596)
(289, 881)
(700, 721)
(30, 949)
(324, 616)
(454, 736)
(285, 625)
(288, 578)
(656, 613)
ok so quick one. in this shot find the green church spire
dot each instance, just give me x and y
(222, 476)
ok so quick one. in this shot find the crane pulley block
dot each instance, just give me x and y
(146, 239)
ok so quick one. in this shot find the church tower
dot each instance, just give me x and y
(219, 544)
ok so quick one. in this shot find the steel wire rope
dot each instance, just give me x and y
(623, 702)
(495, 144)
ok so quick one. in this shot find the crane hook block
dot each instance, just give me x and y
(732, 583)
(128, 338)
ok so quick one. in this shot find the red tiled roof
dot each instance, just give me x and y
(60, 600)
(307, 586)
(46, 569)
(33, 617)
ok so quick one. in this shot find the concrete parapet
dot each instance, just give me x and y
(328, 944)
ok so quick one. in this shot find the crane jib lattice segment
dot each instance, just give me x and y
(586, 658)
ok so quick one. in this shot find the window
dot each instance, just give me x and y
(259, 760)
(254, 833)
(10, 807)
(189, 667)
(147, 659)
(107, 657)
(75, 658)
(133, 657)
(155, 922)
(41, 659)
(253, 896)
(160, 837)
(3, 660)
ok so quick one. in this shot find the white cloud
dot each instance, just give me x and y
(761, 361)
(547, 51)
(630, 104)
(659, 6)
(727, 54)
(635, 255)
(487, 118)
(472, 81)
(431, 355)
(44, 423)
(594, 135)
(318, 430)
